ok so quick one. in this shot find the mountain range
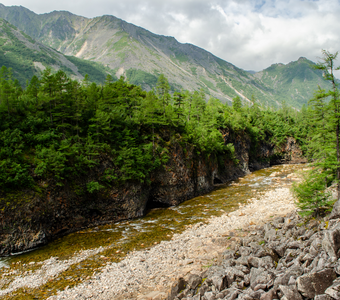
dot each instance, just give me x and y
(108, 45)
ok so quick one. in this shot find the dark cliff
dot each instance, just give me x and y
(32, 218)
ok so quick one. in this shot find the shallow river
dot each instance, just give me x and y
(118, 239)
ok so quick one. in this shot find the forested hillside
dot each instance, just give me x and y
(77, 153)
(295, 82)
(59, 128)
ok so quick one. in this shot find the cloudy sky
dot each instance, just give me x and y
(250, 34)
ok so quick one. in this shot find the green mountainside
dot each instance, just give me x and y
(295, 82)
(27, 57)
(142, 56)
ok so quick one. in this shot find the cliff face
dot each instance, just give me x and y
(33, 218)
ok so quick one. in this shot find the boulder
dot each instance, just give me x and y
(322, 297)
(193, 281)
(266, 262)
(259, 276)
(268, 295)
(209, 296)
(290, 292)
(219, 282)
(176, 288)
(331, 242)
(334, 290)
(313, 284)
(335, 214)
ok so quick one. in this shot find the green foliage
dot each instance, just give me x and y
(294, 82)
(323, 142)
(58, 129)
(237, 103)
(93, 186)
(231, 149)
(139, 77)
(311, 194)
(96, 71)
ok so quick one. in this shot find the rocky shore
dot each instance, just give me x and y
(263, 250)
(149, 274)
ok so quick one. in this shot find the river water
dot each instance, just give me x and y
(118, 239)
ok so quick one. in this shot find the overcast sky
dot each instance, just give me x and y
(250, 34)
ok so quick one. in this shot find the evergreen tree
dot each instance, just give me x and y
(327, 65)
(162, 89)
(237, 103)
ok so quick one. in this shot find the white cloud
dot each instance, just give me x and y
(249, 34)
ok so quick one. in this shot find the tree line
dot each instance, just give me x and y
(57, 128)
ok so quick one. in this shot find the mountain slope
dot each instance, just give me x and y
(295, 82)
(141, 56)
(27, 57)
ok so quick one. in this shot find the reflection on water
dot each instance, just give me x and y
(160, 223)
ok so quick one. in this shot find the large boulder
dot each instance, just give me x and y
(313, 284)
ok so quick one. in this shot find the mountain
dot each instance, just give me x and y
(294, 82)
(27, 57)
(142, 56)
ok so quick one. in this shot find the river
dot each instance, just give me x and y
(77, 256)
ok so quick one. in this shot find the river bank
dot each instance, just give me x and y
(148, 274)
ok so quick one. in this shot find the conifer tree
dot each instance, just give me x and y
(162, 89)
(237, 103)
(327, 65)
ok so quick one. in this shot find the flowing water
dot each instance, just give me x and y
(157, 225)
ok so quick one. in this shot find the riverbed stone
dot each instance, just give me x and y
(176, 288)
(268, 295)
(266, 263)
(331, 242)
(193, 281)
(209, 296)
(290, 292)
(335, 214)
(259, 276)
(334, 290)
(270, 235)
(253, 261)
(220, 282)
(312, 284)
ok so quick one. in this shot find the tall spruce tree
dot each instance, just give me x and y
(327, 65)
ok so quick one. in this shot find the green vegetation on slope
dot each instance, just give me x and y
(96, 71)
(57, 129)
(295, 82)
(25, 56)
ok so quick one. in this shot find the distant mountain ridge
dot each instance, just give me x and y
(142, 56)
(28, 57)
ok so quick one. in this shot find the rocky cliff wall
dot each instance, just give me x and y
(32, 218)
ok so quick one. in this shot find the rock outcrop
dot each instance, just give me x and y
(34, 217)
